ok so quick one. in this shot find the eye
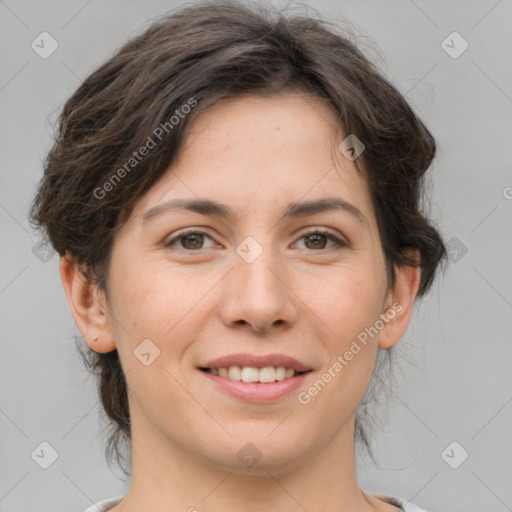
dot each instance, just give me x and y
(318, 238)
(190, 240)
(315, 240)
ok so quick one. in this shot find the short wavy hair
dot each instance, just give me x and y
(212, 51)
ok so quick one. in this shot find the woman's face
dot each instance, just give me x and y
(253, 288)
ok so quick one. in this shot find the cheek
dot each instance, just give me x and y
(347, 301)
(353, 313)
(352, 309)
(158, 302)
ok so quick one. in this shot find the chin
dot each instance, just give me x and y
(259, 453)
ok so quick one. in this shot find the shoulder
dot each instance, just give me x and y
(104, 505)
(406, 505)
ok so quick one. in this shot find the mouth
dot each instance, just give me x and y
(257, 379)
(264, 375)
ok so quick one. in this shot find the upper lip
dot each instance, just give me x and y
(257, 362)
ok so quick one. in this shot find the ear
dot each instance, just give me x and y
(399, 302)
(88, 306)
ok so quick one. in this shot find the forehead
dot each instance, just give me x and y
(261, 152)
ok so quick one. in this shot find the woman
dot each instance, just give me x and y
(235, 199)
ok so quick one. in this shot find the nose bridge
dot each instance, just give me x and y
(259, 295)
(257, 265)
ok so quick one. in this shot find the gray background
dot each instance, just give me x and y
(458, 387)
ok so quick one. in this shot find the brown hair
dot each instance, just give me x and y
(204, 53)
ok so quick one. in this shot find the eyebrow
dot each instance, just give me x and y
(293, 210)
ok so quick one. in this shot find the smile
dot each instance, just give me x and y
(267, 374)
(256, 391)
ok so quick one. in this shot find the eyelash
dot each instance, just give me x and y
(339, 243)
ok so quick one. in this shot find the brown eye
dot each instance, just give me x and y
(191, 241)
(317, 240)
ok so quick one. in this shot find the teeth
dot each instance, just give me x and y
(267, 374)
(280, 373)
(252, 374)
(235, 373)
(248, 374)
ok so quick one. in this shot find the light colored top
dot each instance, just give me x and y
(108, 503)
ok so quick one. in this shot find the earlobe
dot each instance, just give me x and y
(87, 305)
(400, 303)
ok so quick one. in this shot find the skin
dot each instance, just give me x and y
(300, 299)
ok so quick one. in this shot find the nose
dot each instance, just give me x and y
(259, 294)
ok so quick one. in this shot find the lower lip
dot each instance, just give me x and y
(257, 392)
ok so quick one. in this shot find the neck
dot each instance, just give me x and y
(171, 478)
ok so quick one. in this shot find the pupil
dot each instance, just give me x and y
(194, 237)
(310, 237)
